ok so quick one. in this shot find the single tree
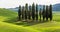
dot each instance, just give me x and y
(19, 13)
(25, 15)
(26, 11)
(40, 13)
(47, 13)
(22, 12)
(36, 11)
(50, 10)
(33, 11)
(43, 12)
(29, 13)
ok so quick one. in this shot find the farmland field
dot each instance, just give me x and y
(7, 16)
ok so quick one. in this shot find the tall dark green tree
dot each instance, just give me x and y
(50, 10)
(40, 13)
(47, 13)
(26, 11)
(25, 15)
(29, 13)
(36, 11)
(43, 13)
(33, 11)
(19, 13)
(22, 12)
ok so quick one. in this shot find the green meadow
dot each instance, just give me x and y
(9, 23)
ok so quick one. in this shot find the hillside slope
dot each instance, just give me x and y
(9, 16)
(5, 15)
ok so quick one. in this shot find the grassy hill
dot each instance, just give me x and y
(10, 16)
(5, 15)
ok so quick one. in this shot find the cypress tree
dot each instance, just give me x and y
(50, 9)
(29, 13)
(36, 12)
(43, 13)
(26, 11)
(40, 14)
(33, 11)
(47, 13)
(25, 15)
(22, 12)
(19, 13)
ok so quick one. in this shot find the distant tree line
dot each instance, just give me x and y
(31, 12)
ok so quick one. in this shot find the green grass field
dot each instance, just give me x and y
(7, 16)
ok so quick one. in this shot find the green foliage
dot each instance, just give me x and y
(36, 12)
(26, 11)
(19, 13)
(29, 16)
(33, 11)
(47, 12)
(50, 10)
(23, 12)
(44, 12)
(40, 14)
(29, 13)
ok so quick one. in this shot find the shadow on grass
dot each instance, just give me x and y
(29, 23)
(23, 23)
(11, 20)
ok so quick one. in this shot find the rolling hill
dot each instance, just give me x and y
(10, 16)
(5, 15)
(56, 7)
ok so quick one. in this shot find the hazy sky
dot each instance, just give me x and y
(15, 3)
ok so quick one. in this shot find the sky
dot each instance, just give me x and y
(16, 3)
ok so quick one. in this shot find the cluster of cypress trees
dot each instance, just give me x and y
(47, 12)
(33, 13)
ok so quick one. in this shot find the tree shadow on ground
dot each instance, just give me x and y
(23, 23)
(11, 20)
(30, 23)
